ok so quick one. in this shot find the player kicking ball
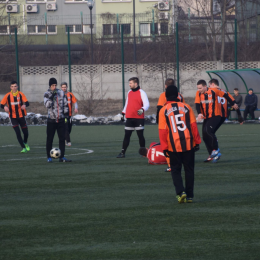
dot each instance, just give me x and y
(14, 103)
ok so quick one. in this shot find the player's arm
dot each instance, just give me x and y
(65, 103)
(74, 101)
(194, 127)
(25, 101)
(163, 131)
(227, 97)
(145, 100)
(4, 103)
(160, 104)
(48, 99)
(197, 105)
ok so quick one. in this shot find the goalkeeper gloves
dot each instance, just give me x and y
(66, 120)
(196, 147)
(123, 117)
(140, 111)
(166, 153)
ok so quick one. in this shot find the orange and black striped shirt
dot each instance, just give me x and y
(71, 100)
(179, 122)
(209, 102)
(224, 103)
(162, 99)
(14, 104)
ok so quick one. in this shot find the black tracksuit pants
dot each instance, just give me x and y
(187, 159)
(51, 129)
(68, 127)
(209, 128)
(251, 111)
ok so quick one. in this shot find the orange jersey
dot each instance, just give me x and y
(209, 102)
(177, 118)
(162, 99)
(71, 100)
(14, 104)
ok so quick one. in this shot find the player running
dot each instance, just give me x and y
(179, 138)
(161, 102)
(136, 103)
(223, 103)
(57, 104)
(68, 122)
(14, 103)
(209, 109)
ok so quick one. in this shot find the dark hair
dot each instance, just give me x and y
(135, 80)
(64, 83)
(214, 81)
(236, 89)
(13, 82)
(202, 82)
(169, 82)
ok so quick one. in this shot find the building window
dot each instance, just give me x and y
(75, 1)
(41, 29)
(116, 1)
(7, 1)
(146, 29)
(40, 1)
(77, 28)
(3, 29)
(155, 28)
(111, 29)
(164, 28)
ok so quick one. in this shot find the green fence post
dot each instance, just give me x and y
(46, 29)
(153, 29)
(17, 59)
(177, 56)
(123, 63)
(68, 30)
(236, 44)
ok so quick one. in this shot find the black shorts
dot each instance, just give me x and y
(134, 124)
(19, 121)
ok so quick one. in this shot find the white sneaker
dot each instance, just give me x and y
(69, 144)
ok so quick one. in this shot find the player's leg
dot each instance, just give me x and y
(246, 112)
(211, 127)
(139, 127)
(16, 128)
(205, 136)
(61, 135)
(129, 128)
(252, 112)
(51, 129)
(176, 165)
(25, 131)
(70, 124)
(67, 133)
(222, 120)
(188, 164)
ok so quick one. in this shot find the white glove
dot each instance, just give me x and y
(140, 111)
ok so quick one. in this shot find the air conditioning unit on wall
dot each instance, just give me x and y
(11, 8)
(31, 8)
(51, 6)
(163, 16)
(163, 5)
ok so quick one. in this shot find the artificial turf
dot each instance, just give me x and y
(100, 207)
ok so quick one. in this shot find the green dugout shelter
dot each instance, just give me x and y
(243, 79)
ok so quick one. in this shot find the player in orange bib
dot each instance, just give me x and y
(68, 121)
(209, 109)
(179, 138)
(14, 103)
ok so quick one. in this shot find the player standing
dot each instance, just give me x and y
(14, 103)
(68, 122)
(209, 109)
(57, 104)
(161, 102)
(136, 103)
(179, 137)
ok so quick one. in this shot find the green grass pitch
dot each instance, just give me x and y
(100, 207)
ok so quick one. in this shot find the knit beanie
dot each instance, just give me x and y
(52, 81)
(171, 92)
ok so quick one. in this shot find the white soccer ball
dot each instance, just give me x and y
(55, 153)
